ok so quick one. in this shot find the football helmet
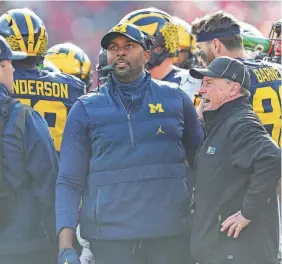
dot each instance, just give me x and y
(48, 66)
(250, 29)
(160, 26)
(71, 59)
(24, 31)
(256, 45)
(187, 45)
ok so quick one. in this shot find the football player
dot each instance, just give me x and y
(50, 93)
(219, 34)
(164, 31)
(70, 59)
(185, 57)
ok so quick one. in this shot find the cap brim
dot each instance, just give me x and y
(200, 73)
(18, 55)
(106, 40)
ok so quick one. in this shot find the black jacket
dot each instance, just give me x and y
(237, 168)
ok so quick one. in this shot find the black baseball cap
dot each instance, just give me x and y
(227, 68)
(127, 30)
(6, 52)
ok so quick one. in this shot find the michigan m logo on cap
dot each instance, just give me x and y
(120, 28)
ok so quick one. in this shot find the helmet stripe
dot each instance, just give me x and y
(140, 16)
(39, 41)
(149, 29)
(17, 32)
(30, 33)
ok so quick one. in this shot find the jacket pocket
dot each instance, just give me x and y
(89, 211)
(143, 209)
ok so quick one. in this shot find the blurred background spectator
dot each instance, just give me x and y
(85, 22)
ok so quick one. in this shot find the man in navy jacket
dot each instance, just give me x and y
(29, 169)
(124, 150)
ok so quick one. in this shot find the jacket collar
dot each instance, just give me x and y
(3, 91)
(129, 86)
(113, 85)
(216, 117)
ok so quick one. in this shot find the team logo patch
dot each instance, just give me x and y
(158, 108)
(211, 150)
(160, 131)
(120, 28)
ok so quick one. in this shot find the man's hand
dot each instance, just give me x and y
(68, 256)
(200, 109)
(86, 256)
(235, 223)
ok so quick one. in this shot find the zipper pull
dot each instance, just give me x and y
(128, 117)
(219, 222)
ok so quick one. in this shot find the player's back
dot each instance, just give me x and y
(172, 76)
(266, 90)
(52, 94)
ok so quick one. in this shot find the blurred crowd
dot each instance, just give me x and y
(85, 22)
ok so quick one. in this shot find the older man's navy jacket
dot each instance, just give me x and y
(124, 150)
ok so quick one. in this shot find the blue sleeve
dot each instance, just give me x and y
(41, 161)
(193, 132)
(73, 169)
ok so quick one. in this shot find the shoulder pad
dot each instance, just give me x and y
(165, 83)
(189, 84)
(68, 78)
(277, 66)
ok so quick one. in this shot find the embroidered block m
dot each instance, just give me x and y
(158, 108)
(120, 28)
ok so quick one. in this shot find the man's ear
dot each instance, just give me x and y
(235, 89)
(147, 54)
(216, 46)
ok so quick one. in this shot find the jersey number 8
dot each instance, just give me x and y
(273, 117)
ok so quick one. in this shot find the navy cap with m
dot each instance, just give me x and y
(127, 30)
(6, 52)
(226, 68)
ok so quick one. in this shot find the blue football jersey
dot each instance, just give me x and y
(186, 82)
(52, 94)
(265, 97)
(173, 76)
